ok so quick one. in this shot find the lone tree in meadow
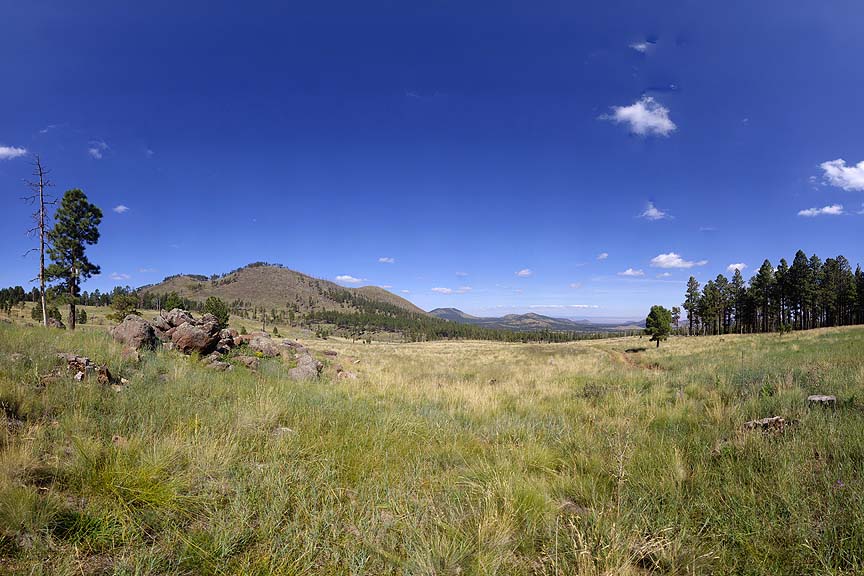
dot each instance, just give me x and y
(76, 225)
(658, 324)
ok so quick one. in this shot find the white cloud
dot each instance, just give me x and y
(603, 256)
(97, 148)
(386, 286)
(673, 260)
(10, 152)
(349, 279)
(405, 291)
(664, 275)
(461, 274)
(149, 153)
(837, 173)
(120, 209)
(832, 210)
(120, 276)
(653, 213)
(640, 46)
(575, 285)
(460, 290)
(631, 272)
(525, 273)
(645, 117)
(740, 266)
(386, 260)
(147, 270)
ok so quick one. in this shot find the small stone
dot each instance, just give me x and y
(330, 353)
(283, 431)
(776, 424)
(822, 400)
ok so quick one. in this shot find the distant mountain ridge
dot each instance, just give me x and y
(274, 286)
(530, 322)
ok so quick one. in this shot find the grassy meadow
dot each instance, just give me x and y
(471, 458)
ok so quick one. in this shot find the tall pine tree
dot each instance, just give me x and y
(76, 225)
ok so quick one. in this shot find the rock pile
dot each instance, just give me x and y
(85, 368)
(178, 329)
(775, 424)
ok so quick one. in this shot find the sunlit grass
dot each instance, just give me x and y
(440, 458)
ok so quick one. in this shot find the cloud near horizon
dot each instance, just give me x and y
(740, 266)
(673, 260)
(631, 272)
(838, 174)
(832, 210)
(120, 276)
(10, 152)
(645, 117)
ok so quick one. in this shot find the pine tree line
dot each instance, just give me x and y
(808, 294)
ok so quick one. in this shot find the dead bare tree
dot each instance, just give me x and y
(41, 199)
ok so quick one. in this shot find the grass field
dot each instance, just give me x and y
(440, 458)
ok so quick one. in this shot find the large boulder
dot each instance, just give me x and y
(135, 332)
(264, 345)
(189, 338)
(307, 368)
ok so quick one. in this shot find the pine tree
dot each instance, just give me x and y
(40, 217)
(76, 226)
(658, 324)
(691, 302)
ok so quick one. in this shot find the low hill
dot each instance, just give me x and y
(530, 322)
(274, 286)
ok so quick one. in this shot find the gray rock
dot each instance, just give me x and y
(176, 317)
(307, 368)
(822, 400)
(265, 346)
(776, 424)
(135, 332)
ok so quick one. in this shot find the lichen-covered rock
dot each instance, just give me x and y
(264, 345)
(250, 362)
(135, 332)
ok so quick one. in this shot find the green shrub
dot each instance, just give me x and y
(217, 308)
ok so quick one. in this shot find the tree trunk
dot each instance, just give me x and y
(658, 343)
(72, 304)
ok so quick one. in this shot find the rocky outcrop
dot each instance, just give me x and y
(250, 362)
(135, 332)
(772, 424)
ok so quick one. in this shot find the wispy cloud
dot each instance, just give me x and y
(664, 275)
(461, 274)
(673, 260)
(147, 270)
(603, 256)
(460, 290)
(149, 152)
(119, 276)
(563, 306)
(832, 210)
(348, 279)
(386, 260)
(405, 291)
(631, 272)
(652, 213)
(97, 149)
(10, 152)
(645, 117)
(120, 209)
(640, 46)
(575, 285)
(740, 266)
(525, 273)
(837, 173)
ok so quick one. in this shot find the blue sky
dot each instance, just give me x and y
(568, 158)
